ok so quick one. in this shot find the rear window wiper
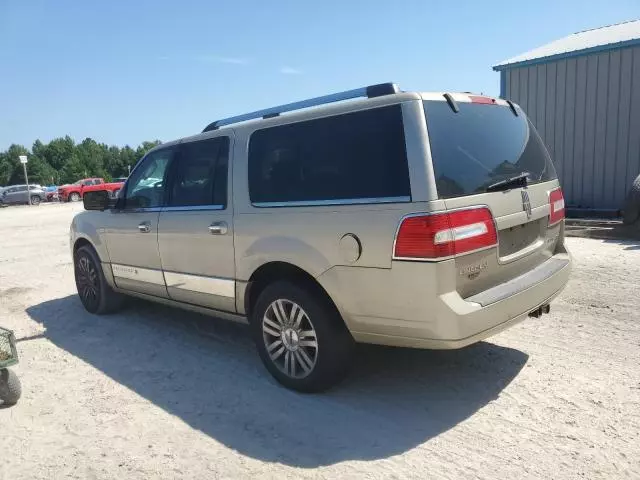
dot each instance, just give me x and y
(513, 182)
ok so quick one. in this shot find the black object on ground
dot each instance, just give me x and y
(632, 204)
(10, 387)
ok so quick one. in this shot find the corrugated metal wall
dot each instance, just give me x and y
(587, 110)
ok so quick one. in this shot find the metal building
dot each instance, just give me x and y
(582, 92)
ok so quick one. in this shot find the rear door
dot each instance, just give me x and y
(478, 153)
(195, 231)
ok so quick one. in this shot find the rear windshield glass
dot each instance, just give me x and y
(481, 145)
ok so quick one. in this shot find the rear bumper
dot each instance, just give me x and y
(407, 314)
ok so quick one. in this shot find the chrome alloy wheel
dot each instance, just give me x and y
(290, 338)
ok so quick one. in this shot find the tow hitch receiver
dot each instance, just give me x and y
(537, 313)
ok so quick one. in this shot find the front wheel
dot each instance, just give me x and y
(95, 293)
(10, 387)
(35, 200)
(74, 197)
(301, 338)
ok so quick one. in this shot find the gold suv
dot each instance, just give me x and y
(428, 220)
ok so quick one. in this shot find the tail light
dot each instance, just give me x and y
(556, 206)
(447, 234)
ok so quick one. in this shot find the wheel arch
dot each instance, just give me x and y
(281, 271)
(82, 242)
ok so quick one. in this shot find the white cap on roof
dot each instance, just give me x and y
(602, 38)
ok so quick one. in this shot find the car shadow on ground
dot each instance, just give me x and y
(206, 372)
(626, 244)
(628, 236)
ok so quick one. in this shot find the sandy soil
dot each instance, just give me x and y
(154, 392)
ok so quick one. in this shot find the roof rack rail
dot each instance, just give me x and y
(370, 92)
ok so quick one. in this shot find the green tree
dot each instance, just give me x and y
(92, 156)
(128, 159)
(113, 162)
(57, 151)
(72, 170)
(6, 168)
(62, 161)
(13, 157)
(145, 147)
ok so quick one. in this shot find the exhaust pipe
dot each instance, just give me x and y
(538, 312)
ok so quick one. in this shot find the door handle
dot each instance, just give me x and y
(218, 228)
(144, 227)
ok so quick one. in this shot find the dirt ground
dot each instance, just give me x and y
(155, 392)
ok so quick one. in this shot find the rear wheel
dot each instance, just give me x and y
(95, 293)
(35, 200)
(74, 197)
(301, 338)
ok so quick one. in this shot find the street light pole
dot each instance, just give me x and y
(23, 160)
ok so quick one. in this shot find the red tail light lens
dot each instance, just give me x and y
(480, 99)
(556, 206)
(445, 234)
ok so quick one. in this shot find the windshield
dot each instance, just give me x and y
(482, 145)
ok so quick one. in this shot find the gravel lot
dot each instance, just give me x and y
(155, 392)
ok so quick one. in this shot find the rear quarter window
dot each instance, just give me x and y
(481, 145)
(355, 156)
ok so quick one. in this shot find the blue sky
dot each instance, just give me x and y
(124, 71)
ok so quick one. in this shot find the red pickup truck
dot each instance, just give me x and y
(75, 191)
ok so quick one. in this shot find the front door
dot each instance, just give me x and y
(131, 229)
(195, 229)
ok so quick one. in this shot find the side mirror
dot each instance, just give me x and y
(97, 200)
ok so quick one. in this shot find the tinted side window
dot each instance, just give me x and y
(199, 176)
(145, 188)
(359, 155)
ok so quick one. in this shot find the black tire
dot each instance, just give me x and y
(10, 387)
(334, 343)
(96, 295)
(35, 200)
(631, 210)
(74, 197)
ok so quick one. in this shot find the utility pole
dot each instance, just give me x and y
(23, 161)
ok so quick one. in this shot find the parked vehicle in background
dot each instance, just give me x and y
(18, 194)
(75, 191)
(427, 220)
(51, 193)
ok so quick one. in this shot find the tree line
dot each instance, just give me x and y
(63, 161)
